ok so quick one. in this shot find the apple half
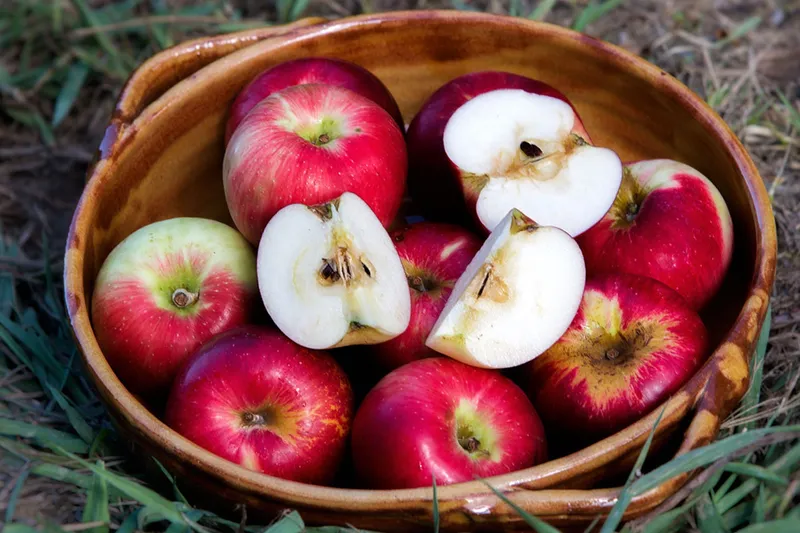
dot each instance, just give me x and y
(515, 299)
(515, 149)
(329, 275)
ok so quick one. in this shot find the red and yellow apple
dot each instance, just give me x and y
(489, 142)
(633, 343)
(305, 70)
(255, 398)
(668, 222)
(439, 417)
(309, 144)
(434, 255)
(166, 289)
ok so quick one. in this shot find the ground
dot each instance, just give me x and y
(62, 64)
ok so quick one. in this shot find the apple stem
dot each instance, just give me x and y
(182, 298)
(417, 283)
(530, 149)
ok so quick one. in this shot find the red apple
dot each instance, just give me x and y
(668, 222)
(633, 342)
(439, 417)
(253, 397)
(434, 255)
(309, 144)
(488, 142)
(166, 289)
(328, 71)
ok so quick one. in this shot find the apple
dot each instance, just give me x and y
(498, 141)
(437, 417)
(668, 222)
(434, 255)
(166, 289)
(308, 144)
(516, 297)
(633, 343)
(330, 276)
(255, 398)
(329, 71)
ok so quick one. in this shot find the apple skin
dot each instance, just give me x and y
(408, 427)
(434, 255)
(303, 398)
(143, 333)
(309, 144)
(633, 343)
(432, 177)
(668, 222)
(329, 71)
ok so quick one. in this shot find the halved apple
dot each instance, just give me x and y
(515, 299)
(330, 276)
(517, 149)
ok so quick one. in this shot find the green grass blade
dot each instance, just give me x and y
(615, 515)
(42, 435)
(11, 505)
(96, 508)
(760, 508)
(130, 523)
(707, 454)
(103, 40)
(173, 481)
(785, 463)
(740, 31)
(669, 520)
(757, 472)
(537, 524)
(542, 10)
(147, 497)
(82, 428)
(776, 526)
(435, 507)
(290, 523)
(753, 395)
(593, 12)
(708, 517)
(19, 528)
(33, 119)
(738, 516)
(76, 76)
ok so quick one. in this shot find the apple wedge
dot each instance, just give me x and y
(516, 298)
(330, 276)
(516, 149)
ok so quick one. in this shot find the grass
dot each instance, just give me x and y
(64, 468)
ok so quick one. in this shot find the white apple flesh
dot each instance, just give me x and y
(519, 151)
(515, 299)
(329, 275)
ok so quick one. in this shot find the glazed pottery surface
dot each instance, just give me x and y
(162, 157)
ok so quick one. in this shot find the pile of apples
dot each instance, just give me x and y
(512, 281)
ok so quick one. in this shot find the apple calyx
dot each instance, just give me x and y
(629, 200)
(516, 149)
(329, 275)
(515, 299)
(475, 437)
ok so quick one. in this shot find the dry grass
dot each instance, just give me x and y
(742, 56)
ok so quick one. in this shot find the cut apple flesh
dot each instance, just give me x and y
(329, 275)
(516, 149)
(515, 299)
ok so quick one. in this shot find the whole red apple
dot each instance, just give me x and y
(253, 397)
(166, 289)
(309, 144)
(443, 418)
(434, 255)
(668, 222)
(487, 142)
(633, 342)
(305, 70)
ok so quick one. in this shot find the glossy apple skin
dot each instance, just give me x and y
(269, 165)
(405, 431)
(143, 335)
(434, 255)
(305, 70)
(591, 383)
(434, 182)
(305, 394)
(682, 234)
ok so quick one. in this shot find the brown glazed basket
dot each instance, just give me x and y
(162, 157)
